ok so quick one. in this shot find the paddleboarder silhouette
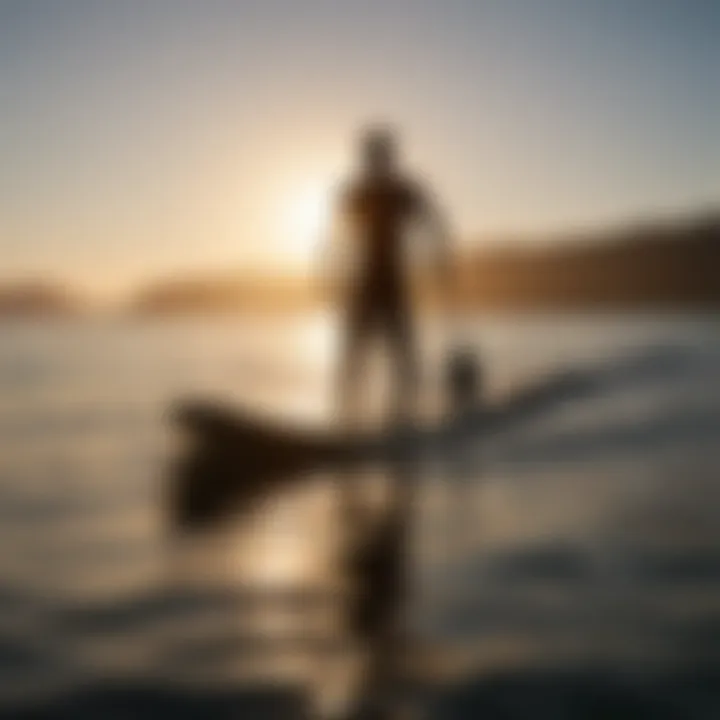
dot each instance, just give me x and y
(375, 213)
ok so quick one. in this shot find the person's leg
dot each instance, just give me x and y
(355, 337)
(400, 334)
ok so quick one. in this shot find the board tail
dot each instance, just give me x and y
(234, 460)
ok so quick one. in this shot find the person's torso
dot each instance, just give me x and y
(379, 212)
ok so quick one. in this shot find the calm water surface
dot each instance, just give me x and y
(591, 534)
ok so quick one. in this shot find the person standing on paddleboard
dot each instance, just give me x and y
(377, 210)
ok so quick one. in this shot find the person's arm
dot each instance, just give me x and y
(436, 227)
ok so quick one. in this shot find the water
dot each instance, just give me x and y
(590, 534)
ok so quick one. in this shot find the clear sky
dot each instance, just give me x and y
(140, 137)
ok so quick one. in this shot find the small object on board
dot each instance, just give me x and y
(463, 380)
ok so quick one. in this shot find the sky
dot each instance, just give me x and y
(147, 137)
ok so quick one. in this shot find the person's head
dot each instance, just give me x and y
(378, 150)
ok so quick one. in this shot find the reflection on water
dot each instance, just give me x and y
(581, 542)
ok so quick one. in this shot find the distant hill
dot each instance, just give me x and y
(37, 299)
(646, 266)
(653, 265)
(211, 294)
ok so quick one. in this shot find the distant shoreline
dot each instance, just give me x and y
(651, 267)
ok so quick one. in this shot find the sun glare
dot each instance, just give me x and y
(306, 217)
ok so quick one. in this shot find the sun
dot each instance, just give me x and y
(306, 216)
